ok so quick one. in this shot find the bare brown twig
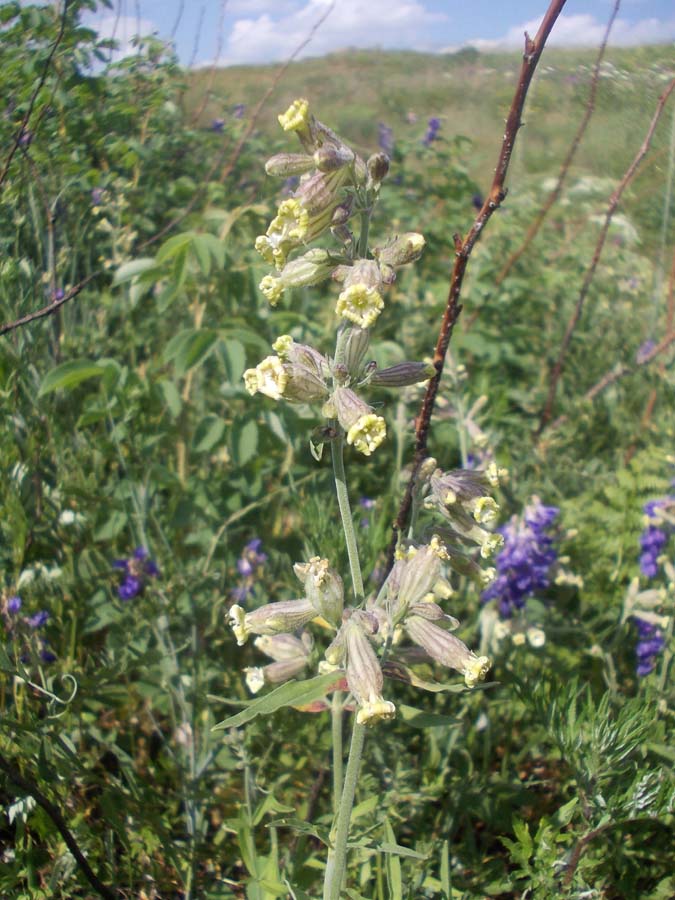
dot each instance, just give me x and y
(463, 248)
(616, 373)
(29, 112)
(564, 169)
(14, 775)
(196, 116)
(556, 373)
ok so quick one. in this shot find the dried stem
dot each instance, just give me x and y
(463, 248)
(268, 93)
(36, 92)
(556, 373)
(615, 374)
(14, 775)
(564, 169)
(196, 116)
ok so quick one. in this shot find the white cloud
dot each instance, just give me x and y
(585, 30)
(351, 23)
(123, 29)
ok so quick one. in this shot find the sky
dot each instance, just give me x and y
(236, 32)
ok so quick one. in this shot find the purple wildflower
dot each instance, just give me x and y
(366, 503)
(523, 566)
(14, 604)
(137, 569)
(477, 201)
(385, 138)
(652, 541)
(433, 127)
(39, 619)
(643, 351)
(239, 110)
(249, 566)
(217, 125)
(97, 196)
(650, 644)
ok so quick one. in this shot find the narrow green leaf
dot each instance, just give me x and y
(293, 693)
(393, 865)
(419, 718)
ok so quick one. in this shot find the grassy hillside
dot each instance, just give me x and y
(471, 93)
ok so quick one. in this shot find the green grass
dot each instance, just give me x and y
(472, 92)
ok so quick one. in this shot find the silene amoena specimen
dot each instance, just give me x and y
(405, 622)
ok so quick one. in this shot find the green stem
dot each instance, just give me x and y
(337, 712)
(337, 855)
(363, 236)
(337, 450)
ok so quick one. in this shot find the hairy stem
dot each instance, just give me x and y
(337, 450)
(337, 855)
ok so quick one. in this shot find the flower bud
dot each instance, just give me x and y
(331, 156)
(402, 249)
(311, 268)
(364, 429)
(283, 165)
(447, 650)
(288, 380)
(377, 166)
(402, 374)
(323, 588)
(274, 618)
(355, 347)
(364, 675)
(274, 673)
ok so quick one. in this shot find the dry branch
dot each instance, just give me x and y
(29, 112)
(463, 248)
(556, 373)
(536, 224)
(15, 776)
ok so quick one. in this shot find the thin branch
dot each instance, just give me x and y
(198, 34)
(463, 248)
(24, 124)
(179, 16)
(214, 66)
(615, 374)
(54, 814)
(564, 169)
(50, 308)
(268, 93)
(590, 273)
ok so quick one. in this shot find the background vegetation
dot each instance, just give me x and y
(126, 425)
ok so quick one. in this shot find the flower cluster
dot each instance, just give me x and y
(405, 607)
(433, 127)
(249, 566)
(403, 621)
(659, 526)
(29, 626)
(137, 569)
(335, 185)
(524, 565)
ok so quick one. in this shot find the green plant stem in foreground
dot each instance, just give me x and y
(337, 855)
(337, 450)
(336, 721)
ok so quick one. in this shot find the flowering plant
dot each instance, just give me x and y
(385, 632)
